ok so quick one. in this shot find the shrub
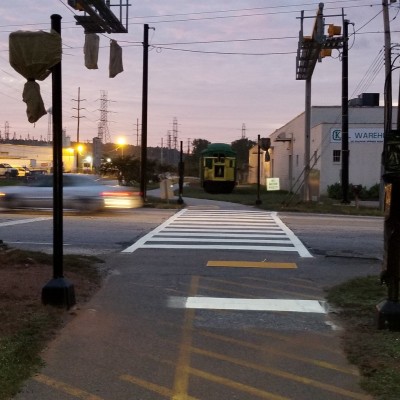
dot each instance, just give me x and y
(335, 192)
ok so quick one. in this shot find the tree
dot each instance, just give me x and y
(242, 148)
(128, 169)
(192, 161)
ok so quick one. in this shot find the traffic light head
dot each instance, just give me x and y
(325, 53)
(334, 30)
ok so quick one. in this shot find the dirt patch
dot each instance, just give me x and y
(22, 277)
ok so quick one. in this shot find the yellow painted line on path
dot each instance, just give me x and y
(251, 264)
(63, 387)
(161, 390)
(271, 350)
(181, 381)
(276, 372)
(236, 385)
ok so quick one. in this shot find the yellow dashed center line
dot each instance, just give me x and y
(63, 387)
(251, 264)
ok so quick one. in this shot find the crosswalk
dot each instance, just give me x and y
(222, 230)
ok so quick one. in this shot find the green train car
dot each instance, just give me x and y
(218, 168)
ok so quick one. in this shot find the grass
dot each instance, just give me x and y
(26, 325)
(375, 352)
(19, 353)
(280, 201)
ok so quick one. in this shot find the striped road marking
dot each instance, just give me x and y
(24, 221)
(251, 264)
(219, 303)
(222, 230)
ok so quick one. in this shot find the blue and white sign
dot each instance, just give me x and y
(359, 135)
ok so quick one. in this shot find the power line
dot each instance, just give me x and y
(243, 9)
(226, 52)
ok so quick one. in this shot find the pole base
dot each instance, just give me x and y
(258, 202)
(180, 200)
(388, 315)
(59, 292)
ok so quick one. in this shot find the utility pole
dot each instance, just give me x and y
(143, 174)
(345, 114)
(181, 173)
(78, 117)
(258, 200)
(388, 69)
(307, 141)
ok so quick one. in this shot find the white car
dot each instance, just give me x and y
(80, 192)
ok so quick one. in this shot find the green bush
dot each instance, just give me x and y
(373, 192)
(335, 192)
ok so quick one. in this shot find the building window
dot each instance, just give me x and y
(336, 156)
(297, 160)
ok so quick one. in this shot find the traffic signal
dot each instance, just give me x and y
(325, 53)
(76, 5)
(334, 30)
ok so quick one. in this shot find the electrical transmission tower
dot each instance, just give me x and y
(243, 131)
(6, 131)
(175, 133)
(103, 132)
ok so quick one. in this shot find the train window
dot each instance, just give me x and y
(208, 163)
(219, 171)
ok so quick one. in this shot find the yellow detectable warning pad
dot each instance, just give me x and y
(252, 264)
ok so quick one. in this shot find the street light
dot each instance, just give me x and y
(121, 141)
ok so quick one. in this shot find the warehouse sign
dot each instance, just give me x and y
(359, 135)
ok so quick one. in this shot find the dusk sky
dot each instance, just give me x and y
(213, 65)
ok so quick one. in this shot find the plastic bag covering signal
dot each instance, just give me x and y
(91, 50)
(115, 66)
(32, 54)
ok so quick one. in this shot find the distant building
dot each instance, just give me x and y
(39, 157)
(365, 146)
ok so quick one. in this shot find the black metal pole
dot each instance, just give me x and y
(143, 161)
(345, 115)
(58, 291)
(181, 174)
(57, 162)
(258, 201)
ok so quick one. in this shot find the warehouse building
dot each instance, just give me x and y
(366, 121)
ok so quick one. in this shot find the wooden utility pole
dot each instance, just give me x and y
(78, 117)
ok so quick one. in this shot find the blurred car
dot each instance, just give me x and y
(80, 192)
(23, 172)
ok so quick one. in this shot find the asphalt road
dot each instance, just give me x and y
(167, 324)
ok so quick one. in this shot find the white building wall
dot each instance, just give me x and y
(364, 160)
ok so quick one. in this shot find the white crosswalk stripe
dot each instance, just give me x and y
(222, 230)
